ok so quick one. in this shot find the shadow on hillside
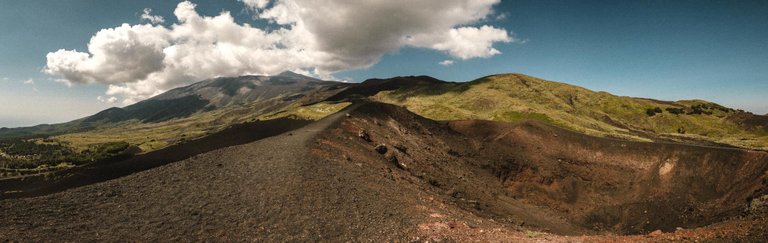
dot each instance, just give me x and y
(119, 167)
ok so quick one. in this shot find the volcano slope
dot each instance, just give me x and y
(457, 181)
(537, 177)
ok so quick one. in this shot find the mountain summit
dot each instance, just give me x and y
(290, 74)
(260, 94)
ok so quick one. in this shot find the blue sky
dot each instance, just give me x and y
(669, 50)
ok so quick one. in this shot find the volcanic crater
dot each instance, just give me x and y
(376, 171)
(539, 176)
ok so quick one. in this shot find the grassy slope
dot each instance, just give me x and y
(153, 136)
(512, 97)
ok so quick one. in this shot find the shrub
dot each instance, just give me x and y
(113, 147)
(700, 109)
(653, 111)
(676, 111)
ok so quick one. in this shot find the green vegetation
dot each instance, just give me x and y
(29, 154)
(44, 153)
(310, 112)
(82, 147)
(179, 115)
(514, 97)
(112, 147)
(513, 116)
(653, 111)
(153, 136)
(676, 111)
(509, 97)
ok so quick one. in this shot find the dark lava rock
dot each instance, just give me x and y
(401, 147)
(434, 182)
(381, 148)
(364, 135)
(393, 159)
(454, 153)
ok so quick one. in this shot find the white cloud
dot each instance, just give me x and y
(464, 42)
(64, 81)
(120, 55)
(502, 16)
(315, 37)
(30, 82)
(255, 4)
(446, 62)
(153, 19)
(108, 100)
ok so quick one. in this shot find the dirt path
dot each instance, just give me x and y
(57, 181)
(269, 190)
(323, 182)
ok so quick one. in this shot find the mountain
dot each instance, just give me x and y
(206, 107)
(178, 115)
(264, 93)
(516, 97)
(507, 157)
(378, 172)
(209, 106)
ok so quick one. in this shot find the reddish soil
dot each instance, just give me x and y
(531, 176)
(459, 181)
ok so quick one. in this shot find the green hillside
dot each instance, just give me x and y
(211, 106)
(513, 97)
(179, 115)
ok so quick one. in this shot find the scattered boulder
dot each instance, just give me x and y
(393, 159)
(381, 148)
(364, 135)
(655, 233)
(401, 147)
(454, 153)
(347, 115)
(681, 130)
(434, 182)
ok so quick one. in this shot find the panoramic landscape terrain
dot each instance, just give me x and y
(505, 157)
(303, 121)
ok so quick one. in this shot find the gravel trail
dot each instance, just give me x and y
(268, 190)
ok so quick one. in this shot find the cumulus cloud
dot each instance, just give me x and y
(154, 19)
(465, 42)
(255, 4)
(118, 55)
(313, 37)
(446, 62)
(502, 16)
